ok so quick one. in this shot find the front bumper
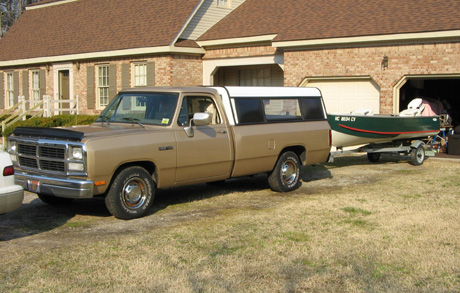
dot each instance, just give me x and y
(68, 188)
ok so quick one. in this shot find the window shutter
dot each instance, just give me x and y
(112, 81)
(2, 100)
(125, 76)
(42, 81)
(25, 84)
(16, 86)
(150, 73)
(90, 87)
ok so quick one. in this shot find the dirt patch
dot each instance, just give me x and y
(38, 224)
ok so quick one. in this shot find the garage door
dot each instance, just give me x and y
(344, 96)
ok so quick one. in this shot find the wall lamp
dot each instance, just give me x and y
(384, 63)
(77, 65)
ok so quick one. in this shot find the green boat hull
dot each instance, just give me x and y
(350, 130)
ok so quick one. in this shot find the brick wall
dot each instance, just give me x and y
(404, 60)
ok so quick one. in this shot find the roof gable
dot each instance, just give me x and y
(319, 19)
(85, 26)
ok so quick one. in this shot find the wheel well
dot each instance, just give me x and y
(149, 166)
(298, 150)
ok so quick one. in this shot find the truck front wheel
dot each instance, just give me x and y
(131, 194)
(285, 177)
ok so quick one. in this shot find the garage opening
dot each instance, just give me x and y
(444, 91)
(260, 75)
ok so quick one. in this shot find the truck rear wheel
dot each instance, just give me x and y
(285, 177)
(131, 194)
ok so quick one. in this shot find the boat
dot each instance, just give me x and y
(358, 129)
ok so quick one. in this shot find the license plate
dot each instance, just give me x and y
(33, 186)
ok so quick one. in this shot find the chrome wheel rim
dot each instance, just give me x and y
(134, 193)
(289, 172)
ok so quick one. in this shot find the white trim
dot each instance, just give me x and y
(368, 39)
(56, 69)
(49, 4)
(106, 54)
(210, 66)
(232, 41)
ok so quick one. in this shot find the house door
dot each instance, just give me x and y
(64, 91)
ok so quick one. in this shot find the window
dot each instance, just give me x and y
(249, 111)
(224, 3)
(103, 86)
(35, 85)
(140, 74)
(312, 109)
(10, 89)
(197, 104)
(282, 109)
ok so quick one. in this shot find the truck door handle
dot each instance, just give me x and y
(222, 131)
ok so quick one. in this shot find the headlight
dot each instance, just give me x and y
(76, 167)
(11, 146)
(76, 153)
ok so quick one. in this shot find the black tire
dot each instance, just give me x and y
(285, 177)
(373, 157)
(131, 194)
(417, 156)
(54, 200)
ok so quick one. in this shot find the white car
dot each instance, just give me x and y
(11, 195)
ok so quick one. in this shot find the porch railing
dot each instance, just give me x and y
(46, 108)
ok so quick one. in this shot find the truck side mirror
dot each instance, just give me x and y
(200, 119)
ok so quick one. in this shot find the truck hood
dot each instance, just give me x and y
(84, 132)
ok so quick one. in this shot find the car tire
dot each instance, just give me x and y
(286, 174)
(131, 194)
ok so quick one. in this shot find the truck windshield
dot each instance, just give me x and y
(148, 108)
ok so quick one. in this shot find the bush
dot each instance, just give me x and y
(55, 121)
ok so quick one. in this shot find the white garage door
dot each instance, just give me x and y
(345, 96)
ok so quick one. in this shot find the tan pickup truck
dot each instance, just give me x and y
(150, 138)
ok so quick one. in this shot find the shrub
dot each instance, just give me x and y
(55, 121)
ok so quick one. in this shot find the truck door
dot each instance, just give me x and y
(208, 155)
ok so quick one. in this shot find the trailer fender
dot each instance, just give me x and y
(416, 143)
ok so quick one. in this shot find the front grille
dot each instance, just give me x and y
(52, 153)
(45, 156)
(52, 166)
(28, 162)
(27, 149)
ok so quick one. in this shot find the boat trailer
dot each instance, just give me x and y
(415, 151)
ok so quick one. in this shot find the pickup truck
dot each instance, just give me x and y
(163, 137)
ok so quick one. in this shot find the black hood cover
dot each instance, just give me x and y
(49, 133)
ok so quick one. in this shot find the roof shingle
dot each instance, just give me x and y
(87, 26)
(319, 19)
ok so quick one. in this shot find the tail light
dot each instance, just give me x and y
(8, 171)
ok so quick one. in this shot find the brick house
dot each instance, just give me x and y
(361, 54)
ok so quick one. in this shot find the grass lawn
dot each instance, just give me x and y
(354, 226)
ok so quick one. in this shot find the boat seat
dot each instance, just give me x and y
(415, 108)
(363, 111)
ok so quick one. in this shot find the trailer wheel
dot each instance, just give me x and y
(373, 157)
(131, 193)
(285, 177)
(417, 156)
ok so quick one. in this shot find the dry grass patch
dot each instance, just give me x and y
(369, 227)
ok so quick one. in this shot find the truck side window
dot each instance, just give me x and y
(312, 109)
(197, 104)
(249, 110)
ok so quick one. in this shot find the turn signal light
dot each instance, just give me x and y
(8, 171)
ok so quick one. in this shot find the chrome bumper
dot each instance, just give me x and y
(68, 188)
